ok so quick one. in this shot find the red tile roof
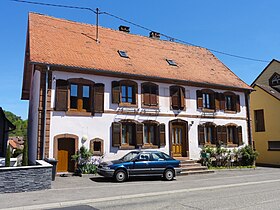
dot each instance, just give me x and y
(62, 42)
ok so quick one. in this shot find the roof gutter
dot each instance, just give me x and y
(143, 77)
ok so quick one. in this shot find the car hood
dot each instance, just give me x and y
(108, 163)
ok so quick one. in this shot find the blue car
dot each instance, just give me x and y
(141, 163)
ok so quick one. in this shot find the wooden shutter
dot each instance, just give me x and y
(139, 134)
(153, 100)
(116, 90)
(201, 140)
(61, 97)
(219, 133)
(199, 99)
(98, 98)
(182, 97)
(237, 103)
(146, 97)
(162, 141)
(116, 134)
(217, 101)
(224, 134)
(222, 101)
(239, 135)
(174, 93)
(212, 100)
(214, 135)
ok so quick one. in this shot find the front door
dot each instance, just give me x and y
(66, 148)
(179, 140)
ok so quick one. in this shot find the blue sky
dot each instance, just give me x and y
(246, 28)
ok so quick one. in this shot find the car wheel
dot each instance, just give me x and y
(120, 175)
(168, 174)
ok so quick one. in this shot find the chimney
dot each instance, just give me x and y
(124, 29)
(154, 35)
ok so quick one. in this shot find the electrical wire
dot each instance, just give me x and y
(142, 27)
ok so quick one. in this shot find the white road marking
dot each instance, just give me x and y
(140, 195)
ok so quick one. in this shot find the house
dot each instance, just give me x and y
(5, 127)
(265, 110)
(114, 92)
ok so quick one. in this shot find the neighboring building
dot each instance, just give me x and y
(265, 111)
(121, 92)
(5, 127)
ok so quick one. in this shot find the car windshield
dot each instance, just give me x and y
(128, 157)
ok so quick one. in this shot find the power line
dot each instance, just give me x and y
(142, 27)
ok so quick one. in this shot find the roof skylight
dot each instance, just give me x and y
(123, 54)
(171, 62)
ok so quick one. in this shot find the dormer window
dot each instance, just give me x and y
(123, 54)
(171, 62)
(275, 79)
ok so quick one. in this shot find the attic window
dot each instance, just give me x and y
(123, 54)
(171, 62)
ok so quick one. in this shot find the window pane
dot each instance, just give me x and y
(124, 94)
(146, 134)
(123, 134)
(86, 101)
(129, 94)
(73, 96)
(152, 134)
(74, 90)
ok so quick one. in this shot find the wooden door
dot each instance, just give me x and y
(66, 148)
(178, 139)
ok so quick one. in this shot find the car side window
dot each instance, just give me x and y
(143, 157)
(157, 157)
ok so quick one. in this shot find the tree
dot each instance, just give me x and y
(8, 156)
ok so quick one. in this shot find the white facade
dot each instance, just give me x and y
(99, 126)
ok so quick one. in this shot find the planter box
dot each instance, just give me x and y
(26, 178)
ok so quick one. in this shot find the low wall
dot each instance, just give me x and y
(26, 178)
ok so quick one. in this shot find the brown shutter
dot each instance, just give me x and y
(214, 134)
(237, 103)
(61, 97)
(239, 135)
(153, 100)
(217, 101)
(199, 99)
(139, 134)
(98, 98)
(219, 133)
(212, 100)
(116, 90)
(162, 141)
(174, 93)
(222, 101)
(224, 134)
(116, 134)
(135, 93)
(182, 97)
(146, 99)
(201, 140)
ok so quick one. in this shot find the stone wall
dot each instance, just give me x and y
(26, 178)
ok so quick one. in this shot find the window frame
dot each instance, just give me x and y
(181, 97)
(200, 100)
(206, 134)
(149, 142)
(117, 93)
(259, 127)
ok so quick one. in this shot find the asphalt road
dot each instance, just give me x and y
(238, 189)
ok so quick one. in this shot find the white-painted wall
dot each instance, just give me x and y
(99, 126)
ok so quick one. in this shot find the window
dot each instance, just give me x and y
(123, 54)
(207, 134)
(96, 146)
(149, 94)
(130, 133)
(274, 145)
(177, 94)
(274, 79)
(259, 120)
(124, 92)
(230, 102)
(231, 135)
(150, 133)
(205, 99)
(79, 95)
(171, 62)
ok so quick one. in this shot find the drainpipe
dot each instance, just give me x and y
(45, 113)
(247, 102)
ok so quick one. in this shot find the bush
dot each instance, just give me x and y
(222, 157)
(83, 161)
(17, 152)
(8, 156)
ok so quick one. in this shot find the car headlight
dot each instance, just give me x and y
(106, 167)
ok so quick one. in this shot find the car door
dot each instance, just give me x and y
(141, 165)
(157, 163)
